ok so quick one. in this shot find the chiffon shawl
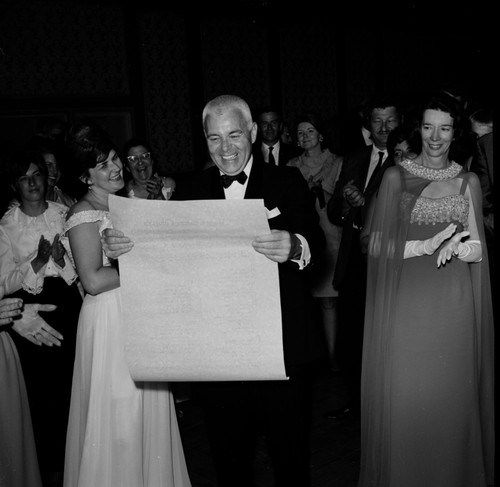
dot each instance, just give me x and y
(387, 226)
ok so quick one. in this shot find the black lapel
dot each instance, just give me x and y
(254, 186)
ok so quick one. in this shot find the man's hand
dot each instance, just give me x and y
(115, 243)
(353, 195)
(34, 328)
(276, 246)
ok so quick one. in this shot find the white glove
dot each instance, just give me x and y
(470, 251)
(416, 248)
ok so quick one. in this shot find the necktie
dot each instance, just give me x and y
(379, 163)
(371, 175)
(228, 180)
(271, 159)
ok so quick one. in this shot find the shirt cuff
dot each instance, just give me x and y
(305, 256)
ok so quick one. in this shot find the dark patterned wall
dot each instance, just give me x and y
(308, 71)
(235, 59)
(167, 90)
(57, 48)
(361, 65)
(143, 68)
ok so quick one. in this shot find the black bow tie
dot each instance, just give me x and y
(228, 180)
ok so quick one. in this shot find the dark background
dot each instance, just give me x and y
(148, 67)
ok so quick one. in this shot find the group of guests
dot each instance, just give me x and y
(386, 241)
(68, 403)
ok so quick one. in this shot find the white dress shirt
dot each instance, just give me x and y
(276, 152)
(236, 191)
(374, 161)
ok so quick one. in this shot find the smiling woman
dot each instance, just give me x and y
(34, 266)
(144, 180)
(428, 362)
(118, 429)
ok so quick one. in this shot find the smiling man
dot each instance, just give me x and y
(236, 410)
(359, 180)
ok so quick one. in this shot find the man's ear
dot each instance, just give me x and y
(253, 132)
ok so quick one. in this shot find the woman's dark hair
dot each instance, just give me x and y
(17, 162)
(87, 144)
(314, 119)
(444, 103)
(136, 141)
(406, 132)
(460, 148)
(326, 128)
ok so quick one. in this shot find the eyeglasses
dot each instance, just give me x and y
(144, 157)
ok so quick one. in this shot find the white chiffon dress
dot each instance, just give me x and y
(120, 432)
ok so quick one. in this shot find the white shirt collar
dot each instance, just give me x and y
(237, 191)
(376, 150)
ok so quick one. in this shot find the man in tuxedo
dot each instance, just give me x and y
(359, 180)
(268, 146)
(236, 410)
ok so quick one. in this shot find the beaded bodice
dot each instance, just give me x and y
(452, 208)
(446, 209)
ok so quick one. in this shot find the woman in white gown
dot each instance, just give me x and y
(121, 433)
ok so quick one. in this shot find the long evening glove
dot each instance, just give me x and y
(416, 248)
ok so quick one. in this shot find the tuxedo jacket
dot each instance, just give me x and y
(287, 152)
(355, 167)
(284, 189)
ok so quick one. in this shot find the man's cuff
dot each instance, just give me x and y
(299, 243)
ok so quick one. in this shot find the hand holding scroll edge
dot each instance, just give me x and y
(115, 243)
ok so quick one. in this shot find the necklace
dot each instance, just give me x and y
(423, 172)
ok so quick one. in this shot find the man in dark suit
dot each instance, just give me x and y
(268, 146)
(359, 180)
(236, 410)
(482, 165)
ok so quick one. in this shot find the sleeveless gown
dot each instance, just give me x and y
(433, 422)
(427, 362)
(121, 433)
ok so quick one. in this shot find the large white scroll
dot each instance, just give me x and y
(199, 303)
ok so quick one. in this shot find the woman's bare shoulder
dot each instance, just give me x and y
(79, 206)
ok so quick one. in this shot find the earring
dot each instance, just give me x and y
(321, 138)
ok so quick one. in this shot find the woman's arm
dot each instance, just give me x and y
(467, 245)
(85, 243)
